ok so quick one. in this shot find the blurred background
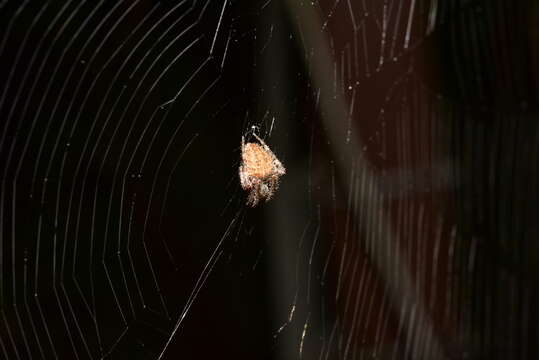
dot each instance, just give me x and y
(405, 227)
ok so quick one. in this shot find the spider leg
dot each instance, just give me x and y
(279, 168)
(244, 179)
(252, 199)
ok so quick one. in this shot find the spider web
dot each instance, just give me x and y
(403, 228)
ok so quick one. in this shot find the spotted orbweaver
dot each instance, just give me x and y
(260, 171)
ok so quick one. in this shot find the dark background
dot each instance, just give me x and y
(405, 227)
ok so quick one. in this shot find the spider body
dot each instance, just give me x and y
(259, 171)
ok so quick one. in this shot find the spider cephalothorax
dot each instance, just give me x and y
(260, 171)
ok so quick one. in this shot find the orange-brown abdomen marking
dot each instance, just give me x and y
(256, 161)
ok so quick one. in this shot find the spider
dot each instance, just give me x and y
(260, 171)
